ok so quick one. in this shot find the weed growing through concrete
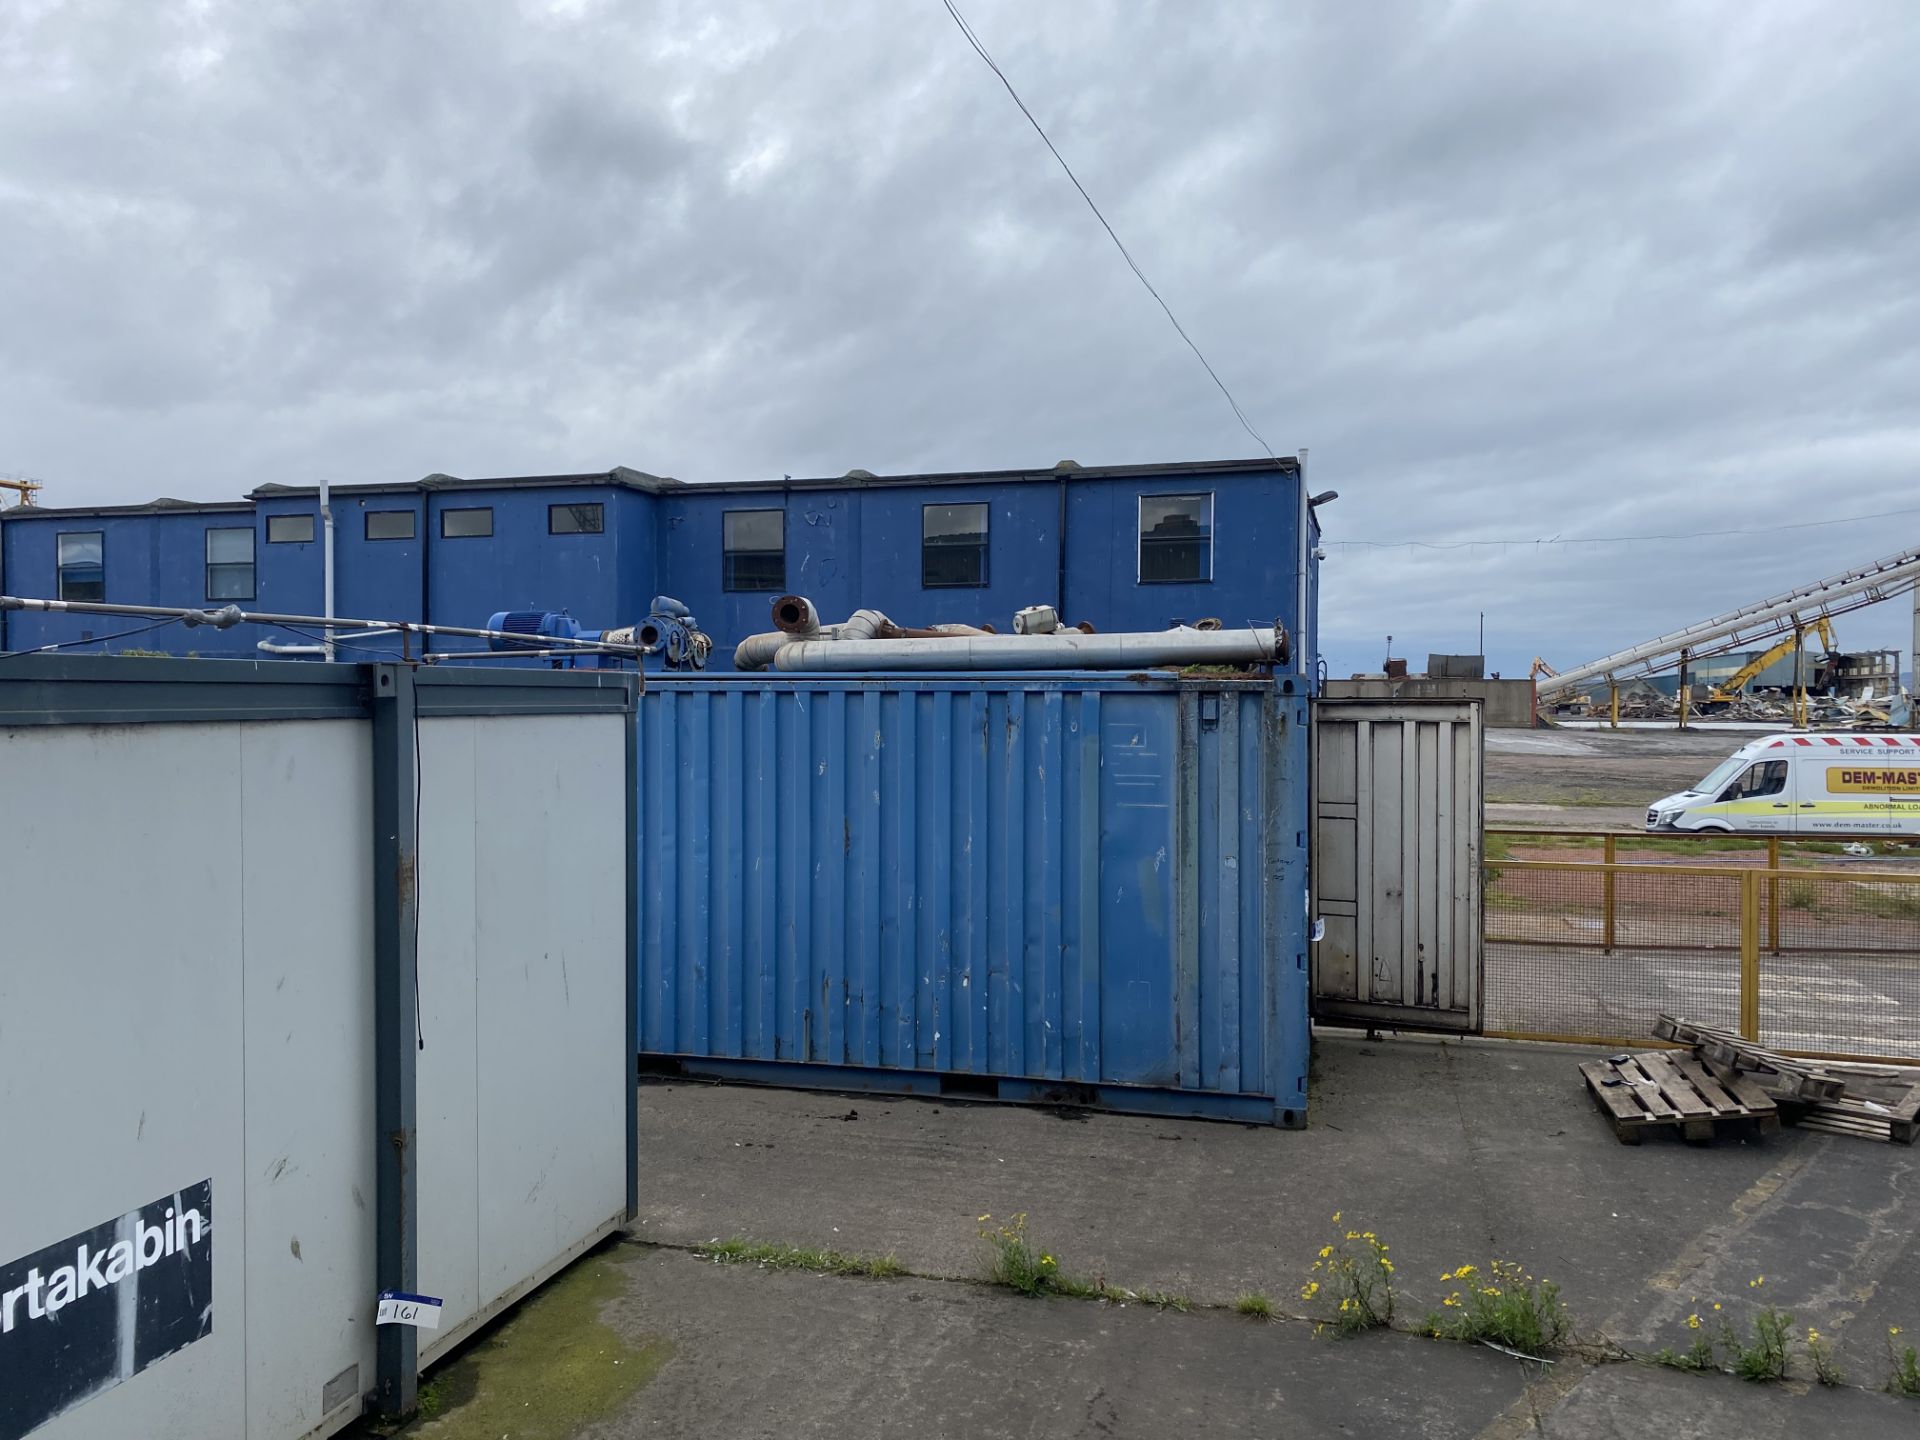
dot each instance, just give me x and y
(1506, 1305)
(738, 1251)
(431, 1400)
(1253, 1303)
(1358, 1277)
(1820, 1352)
(1903, 1373)
(1699, 1352)
(1800, 895)
(1014, 1261)
(1762, 1354)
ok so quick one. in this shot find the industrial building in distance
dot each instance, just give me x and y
(1128, 547)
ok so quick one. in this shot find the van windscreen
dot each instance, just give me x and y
(1722, 774)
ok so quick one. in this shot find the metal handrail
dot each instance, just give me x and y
(1704, 836)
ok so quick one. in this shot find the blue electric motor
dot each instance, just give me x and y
(670, 631)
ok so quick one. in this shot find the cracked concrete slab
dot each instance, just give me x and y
(1450, 1151)
(782, 1354)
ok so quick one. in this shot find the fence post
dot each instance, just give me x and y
(1607, 895)
(1773, 894)
(1750, 957)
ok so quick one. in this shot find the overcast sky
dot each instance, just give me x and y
(1507, 270)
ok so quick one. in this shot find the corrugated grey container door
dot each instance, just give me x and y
(1396, 863)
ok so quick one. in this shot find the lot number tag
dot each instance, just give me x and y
(397, 1307)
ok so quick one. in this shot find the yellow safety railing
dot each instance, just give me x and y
(1810, 961)
(1617, 845)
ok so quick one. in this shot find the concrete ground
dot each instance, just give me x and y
(1450, 1152)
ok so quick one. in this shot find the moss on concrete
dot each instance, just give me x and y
(552, 1368)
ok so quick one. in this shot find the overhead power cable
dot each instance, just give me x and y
(1615, 539)
(1125, 254)
(94, 640)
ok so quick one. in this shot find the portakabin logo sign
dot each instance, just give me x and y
(85, 1313)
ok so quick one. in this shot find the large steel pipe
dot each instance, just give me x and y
(1067, 650)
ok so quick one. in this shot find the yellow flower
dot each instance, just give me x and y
(1756, 1282)
(984, 1218)
(1893, 1329)
(1336, 1217)
(1812, 1334)
(1464, 1271)
(1367, 1235)
(1325, 1251)
(1387, 1265)
(1693, 1322)
(1451, 1300)
(1716, 1304)
(1353, 1234)
(1447, 1276)
(1309, 1290)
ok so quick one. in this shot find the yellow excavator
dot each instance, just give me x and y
(1729, 690)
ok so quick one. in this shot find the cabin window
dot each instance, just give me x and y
(1176, 539)
(953, 546)
(230, 563)
(389, 525)
(753, 547)
(80, 557)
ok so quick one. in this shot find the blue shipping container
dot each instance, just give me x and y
(1044, 887)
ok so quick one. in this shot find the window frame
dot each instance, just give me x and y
(1735, 790)
(486, 510)
(599, 507)
(273, 520)
(366, 527)
(252, 561)
(727, 585)
(983, 545)
(60, 566)
(1140, 536)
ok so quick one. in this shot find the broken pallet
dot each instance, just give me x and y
(1780, 1077)
(1661, 1090)
(1876, 1102)
(1897, 1123)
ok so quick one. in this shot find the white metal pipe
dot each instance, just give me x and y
(1834, 595)
(756, 652)
(865, 625)
(1067, 650)
(795, 615)
(326, 562)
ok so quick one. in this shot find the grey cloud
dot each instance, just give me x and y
(1513, 269)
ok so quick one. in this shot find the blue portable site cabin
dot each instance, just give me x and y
(1129, 547)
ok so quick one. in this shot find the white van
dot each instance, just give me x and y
(1805, 785)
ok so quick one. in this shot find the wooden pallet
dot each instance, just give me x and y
(1778, 1076)
(1877, 1102)
(1663, 1090)
(1895, 1119)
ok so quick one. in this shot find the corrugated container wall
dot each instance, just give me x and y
(1067, 886)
